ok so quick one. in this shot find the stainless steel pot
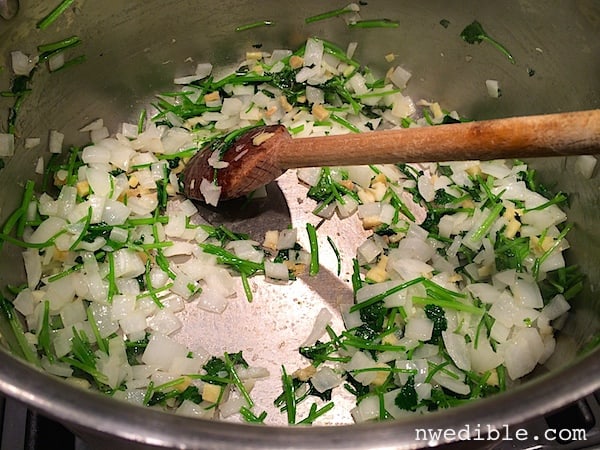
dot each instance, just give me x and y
(134, 49)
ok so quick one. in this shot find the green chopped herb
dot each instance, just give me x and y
(330, 14)
(337, 255)
(437, 315)
(314, 249)
(48, 50)
(377, 23)
(316, 412)
(407, 398)
(54, 14)
(475, 34)
(260, 23)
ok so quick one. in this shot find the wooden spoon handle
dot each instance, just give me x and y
(570, 133)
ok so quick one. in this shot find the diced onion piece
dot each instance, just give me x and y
(7, 144)
(400, 76)
(56, 141)
(325, 378)
(162, 351)
(32, 142)
(210, 191)
(360, 360)
(276, 271)
(493, 88)
(55, 62)
(585, 165)
(556, 307)
(313, 53)
(419, 328)
(457, 349)
(287, 239)
(367, 409)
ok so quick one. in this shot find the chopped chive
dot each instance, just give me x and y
(377, 94)
(102, 343)
(54, 14)
(237, 381)
(375, 23)
(356, 280)
(334, 50)
(210, 379)
(27, 197)
(153, 245)
(141, 166)
(316, 412)
(385, 369)
(289, 396)
(433, 369)
(296, 130)
(456, 305)
(260, 23)
(501, 372)
(12, 220)
(488, 222)
(379, 297)
(180, 154)
(169, 384)
(163, 263)
(112, 283)
(20, 243)
(556, 200)
(539, 261)
(142, 121)
(19, 216)
(22, 345)
(250, 417)
(151, 291)
(400, 205)
(48, 50)
(364, 344)
(344, 123)
(86, 225)
(246, 286)
(314, 249)
(224, 257)
(44, 332)
(149, 393)
(64, 273)
(134, 222)
(337, 255)
(329, 14)
(440, 290)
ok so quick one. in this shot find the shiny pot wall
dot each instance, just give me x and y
(135, 48)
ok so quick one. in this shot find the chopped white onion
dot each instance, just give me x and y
(493, 88)
(7, 144)
(322, 320)
(23, 64)
(56, 141)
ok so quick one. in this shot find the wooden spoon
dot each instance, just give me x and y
(262, 154)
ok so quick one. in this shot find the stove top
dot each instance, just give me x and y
(574, 427)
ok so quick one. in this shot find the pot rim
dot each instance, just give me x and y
(93, 414)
